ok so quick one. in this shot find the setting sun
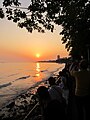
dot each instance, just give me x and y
(37, 55)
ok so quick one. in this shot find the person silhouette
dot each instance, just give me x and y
(55, 91)
(82, 90)
(50, 109)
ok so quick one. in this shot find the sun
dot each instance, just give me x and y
(37, 55)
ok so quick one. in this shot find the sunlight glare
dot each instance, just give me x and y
(37, 67)
(37, 55)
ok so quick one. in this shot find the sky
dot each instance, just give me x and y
(18, 44)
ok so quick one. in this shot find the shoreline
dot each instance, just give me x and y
(54, 74)
(22, 104)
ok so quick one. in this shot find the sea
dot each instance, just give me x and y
(15, 78)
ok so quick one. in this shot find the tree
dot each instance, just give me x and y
(72, 15)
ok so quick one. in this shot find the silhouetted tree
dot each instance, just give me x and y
(72, 15)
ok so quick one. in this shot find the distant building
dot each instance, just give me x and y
(58, 57)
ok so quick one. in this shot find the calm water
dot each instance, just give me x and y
(18, 77)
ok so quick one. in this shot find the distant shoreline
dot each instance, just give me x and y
(61, 60)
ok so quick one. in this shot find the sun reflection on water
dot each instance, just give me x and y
(37, 67)
(38, 75)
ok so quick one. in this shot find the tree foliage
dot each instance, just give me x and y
(72, 15)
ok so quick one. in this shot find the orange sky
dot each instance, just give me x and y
(18, 44)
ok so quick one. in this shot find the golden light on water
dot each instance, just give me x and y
(38, 75)
(37, 67)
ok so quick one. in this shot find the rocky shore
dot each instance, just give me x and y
(24, 106)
